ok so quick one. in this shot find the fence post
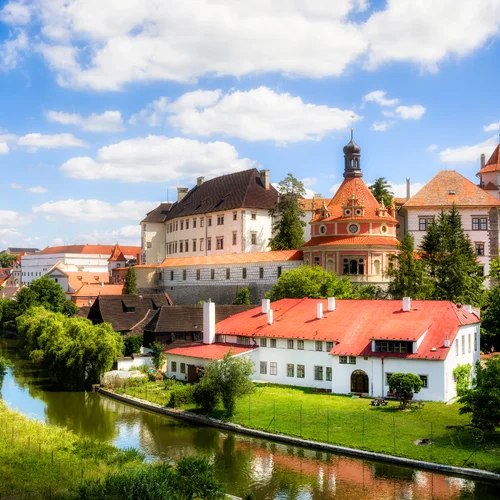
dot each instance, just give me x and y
(327, 426)
(301, 419)
(274, 416)
(431, 441)
(363, 431)
(249, 411)
(394, 430)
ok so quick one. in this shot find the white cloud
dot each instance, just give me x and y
(16, 186)
(414, 112)
(492, 127)
(109, 121)
(378, 96)
(4, 148)
(432, 147)
(93, 210)
(123, 235)
(380, 126)
(9, 218)
(35, 141)
(468, 154)
(37, 189)
(158, 159)
(11, 50)
(256, 115)
(153, 114)
(16, 13)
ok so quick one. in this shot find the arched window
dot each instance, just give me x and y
(353, 266)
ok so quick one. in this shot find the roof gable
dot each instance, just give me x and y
(493, 164)
(159, 214)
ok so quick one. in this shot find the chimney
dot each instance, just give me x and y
(467, 308)
(483, 160)
(102, 283)
(181, 192)
(331, 303)
(266, 305)
(319, 310)
(408, 196)
(200, 181)
(264, 177)
(209, 322)
(406, 303)
(447, 341)
(270, 317)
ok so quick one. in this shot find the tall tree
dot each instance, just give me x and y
(450, 260)
(407, 273)
(130, 286)
(382, 192)
(288, 225)
(7, 259)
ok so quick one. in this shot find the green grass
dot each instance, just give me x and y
(41, 461)
(354, 423)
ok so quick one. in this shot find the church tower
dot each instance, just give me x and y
(352, 159)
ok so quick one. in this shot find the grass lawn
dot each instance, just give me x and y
(354, 423)
(41, 461)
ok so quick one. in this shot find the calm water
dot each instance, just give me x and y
(270, 470)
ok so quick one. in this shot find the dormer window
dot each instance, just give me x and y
(322, 229)
(347, 211)
(452, 191)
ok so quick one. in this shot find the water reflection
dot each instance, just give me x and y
(271, 470)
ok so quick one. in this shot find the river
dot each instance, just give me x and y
(271, 470)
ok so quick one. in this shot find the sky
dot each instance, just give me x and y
(107, 106)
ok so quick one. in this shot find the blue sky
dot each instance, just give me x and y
(107, 107)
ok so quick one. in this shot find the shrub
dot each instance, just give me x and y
(404, 385)
(132, 344)
(181, 396)
(206, 396)
(136, 381)
(171, 383)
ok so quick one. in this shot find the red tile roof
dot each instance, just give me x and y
(312, 203)
(77, 279)
(493, 164)
(235, 258)
(95, 289)
(90, 249)
(436, 193)
(352, 240)
(117, 255)
(355, 322)
(208, 351)
(399, 201)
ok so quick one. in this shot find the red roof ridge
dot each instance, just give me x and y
(117, 254)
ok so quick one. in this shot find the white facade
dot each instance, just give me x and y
(153, 242)
(138, 360)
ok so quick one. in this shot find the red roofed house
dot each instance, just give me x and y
(346, 346)
(88, 293)
(353, 235)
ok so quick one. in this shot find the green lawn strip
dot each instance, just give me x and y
(353, 422)
(41, 461)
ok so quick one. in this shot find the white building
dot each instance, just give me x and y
(346, 346)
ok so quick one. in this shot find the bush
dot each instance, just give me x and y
(171, 383)
(181, 396)
(136, 381)
(132, 344)
(206, 396)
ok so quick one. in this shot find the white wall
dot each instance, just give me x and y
(125, 364)
(153, 237)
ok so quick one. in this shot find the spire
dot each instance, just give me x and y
(352, 155)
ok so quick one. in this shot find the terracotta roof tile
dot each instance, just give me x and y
(117, 255)
(493, 164)
(77, 279)
(312, 203)
(208, 351)
(352, 240)
(436, 193)
(90, 250)
(95, 289)
(399, 201)
(235, 258)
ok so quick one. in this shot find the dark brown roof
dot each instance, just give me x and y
(113, 309)
(226, 192)
(159, 214)
(188, 318)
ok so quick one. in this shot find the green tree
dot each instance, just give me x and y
(132, 344)
(490, 321)
(313, 282)
(130, 286)
(407, 273)
(76, 351)
(404, 385)
(450, 261)
(288, 225)
(382, 192)
(157, 355)
(243, 297)
(7, 259)
(482, 401)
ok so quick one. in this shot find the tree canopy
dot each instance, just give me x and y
(7, 259)
(130, 286)
(288, 225)
(404, 385)
(243, 297)
(382, 192)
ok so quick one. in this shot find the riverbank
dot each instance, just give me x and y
(354, 423)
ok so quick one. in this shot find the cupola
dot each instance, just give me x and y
(352, 163)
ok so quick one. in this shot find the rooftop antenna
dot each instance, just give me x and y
(352, 126)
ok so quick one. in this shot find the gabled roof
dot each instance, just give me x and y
(18, 250)
(493, 164)
(226, 192)
(438, 192)
(117, 255)
(235, 258)
(208, 351)
(365, 240)
(354, 323)
(96, 289)
(77, 279)
(159, 214)
(7, 292)
(90, 250)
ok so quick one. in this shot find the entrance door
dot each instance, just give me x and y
(359, 382)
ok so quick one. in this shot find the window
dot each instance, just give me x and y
(301, 371)
(479, 248)
(202, 244)
(184, 275)
(209, 244)
(209, 221)
(194, 223)
(387, 378)
(187, 224)
(202, 222)
(175, 251)
(343, 360)
(469, 347)
(244, 273)
(261, 272)
(329, 373)
(425, 381)
(273, 342)
(235, 215)
(220, 338)
(186, 245)
(171, 276)
(318, 373)
(463, 344)
(220, 243)
(479, 223)
(279, 271)
(290, 344)
(424, 223)
(329, 346)
(456, 347)
(290, 369)
(300, 345)
(352, 360)
(263, 367)
(183, 367)
(253, 216)
(393, 346)
(253, 237)
(273, 368)
(220, 220)
(194, 245)
(263, 342)
(475, 340)
(148, 244)
(243, 340)
(177, 226)
(174, 366)
(228, 273)
(198, 274)
(316, 260)
(182, 225)
(212, 274)
(234, 238)
(319, 345)
(180, 246)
